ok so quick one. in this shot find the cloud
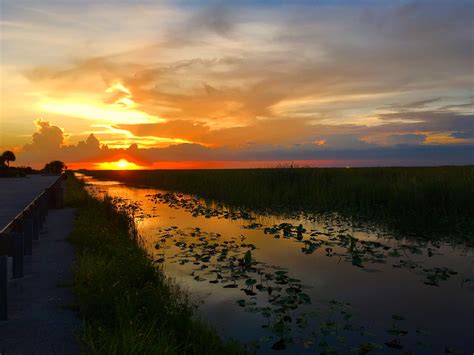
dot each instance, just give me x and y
(437, 121)
(420, 104)
(245, 80)
(48, 138)
(468, 134)
(412, 139)
(338, 150)
(338, 77)
(182, 129)
(48, 143)
(218, 18)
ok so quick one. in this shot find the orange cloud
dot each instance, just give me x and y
(337, 148)
(216, 83)
(47, 138)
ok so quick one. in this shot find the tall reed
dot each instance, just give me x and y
(422, 200)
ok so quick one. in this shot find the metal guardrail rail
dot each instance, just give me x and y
(16, 238)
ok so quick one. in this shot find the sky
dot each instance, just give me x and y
(193, 84)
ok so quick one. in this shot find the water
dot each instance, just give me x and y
(343, 288)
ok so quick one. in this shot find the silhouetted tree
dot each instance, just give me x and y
(8, 156)
(54, 167)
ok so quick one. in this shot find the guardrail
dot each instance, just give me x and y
(16, 238)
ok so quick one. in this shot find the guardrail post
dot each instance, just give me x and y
(43, 208)
(3, 287)
(50, 194)
(28, 234)
(35, 215)
(18, 254)
(58, 194)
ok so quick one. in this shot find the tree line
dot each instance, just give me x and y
(53, 167)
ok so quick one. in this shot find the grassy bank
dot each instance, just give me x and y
(430, 201)
(128, 305)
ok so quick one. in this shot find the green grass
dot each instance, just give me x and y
(127, 304)
(428, 201)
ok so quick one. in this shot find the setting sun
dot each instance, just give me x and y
(121, 164)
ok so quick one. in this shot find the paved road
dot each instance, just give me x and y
(17, 193)
(40, 318)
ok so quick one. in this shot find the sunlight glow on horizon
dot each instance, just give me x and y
(124, 164)
(121, 164)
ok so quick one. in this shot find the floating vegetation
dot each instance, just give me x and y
(293, 316)
(361, 252)
(288, 313)
(334, 238)
(197, 208)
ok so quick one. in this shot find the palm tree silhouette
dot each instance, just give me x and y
(8, 156)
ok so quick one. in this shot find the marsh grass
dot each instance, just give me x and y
(426, 201)
(127, 304)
